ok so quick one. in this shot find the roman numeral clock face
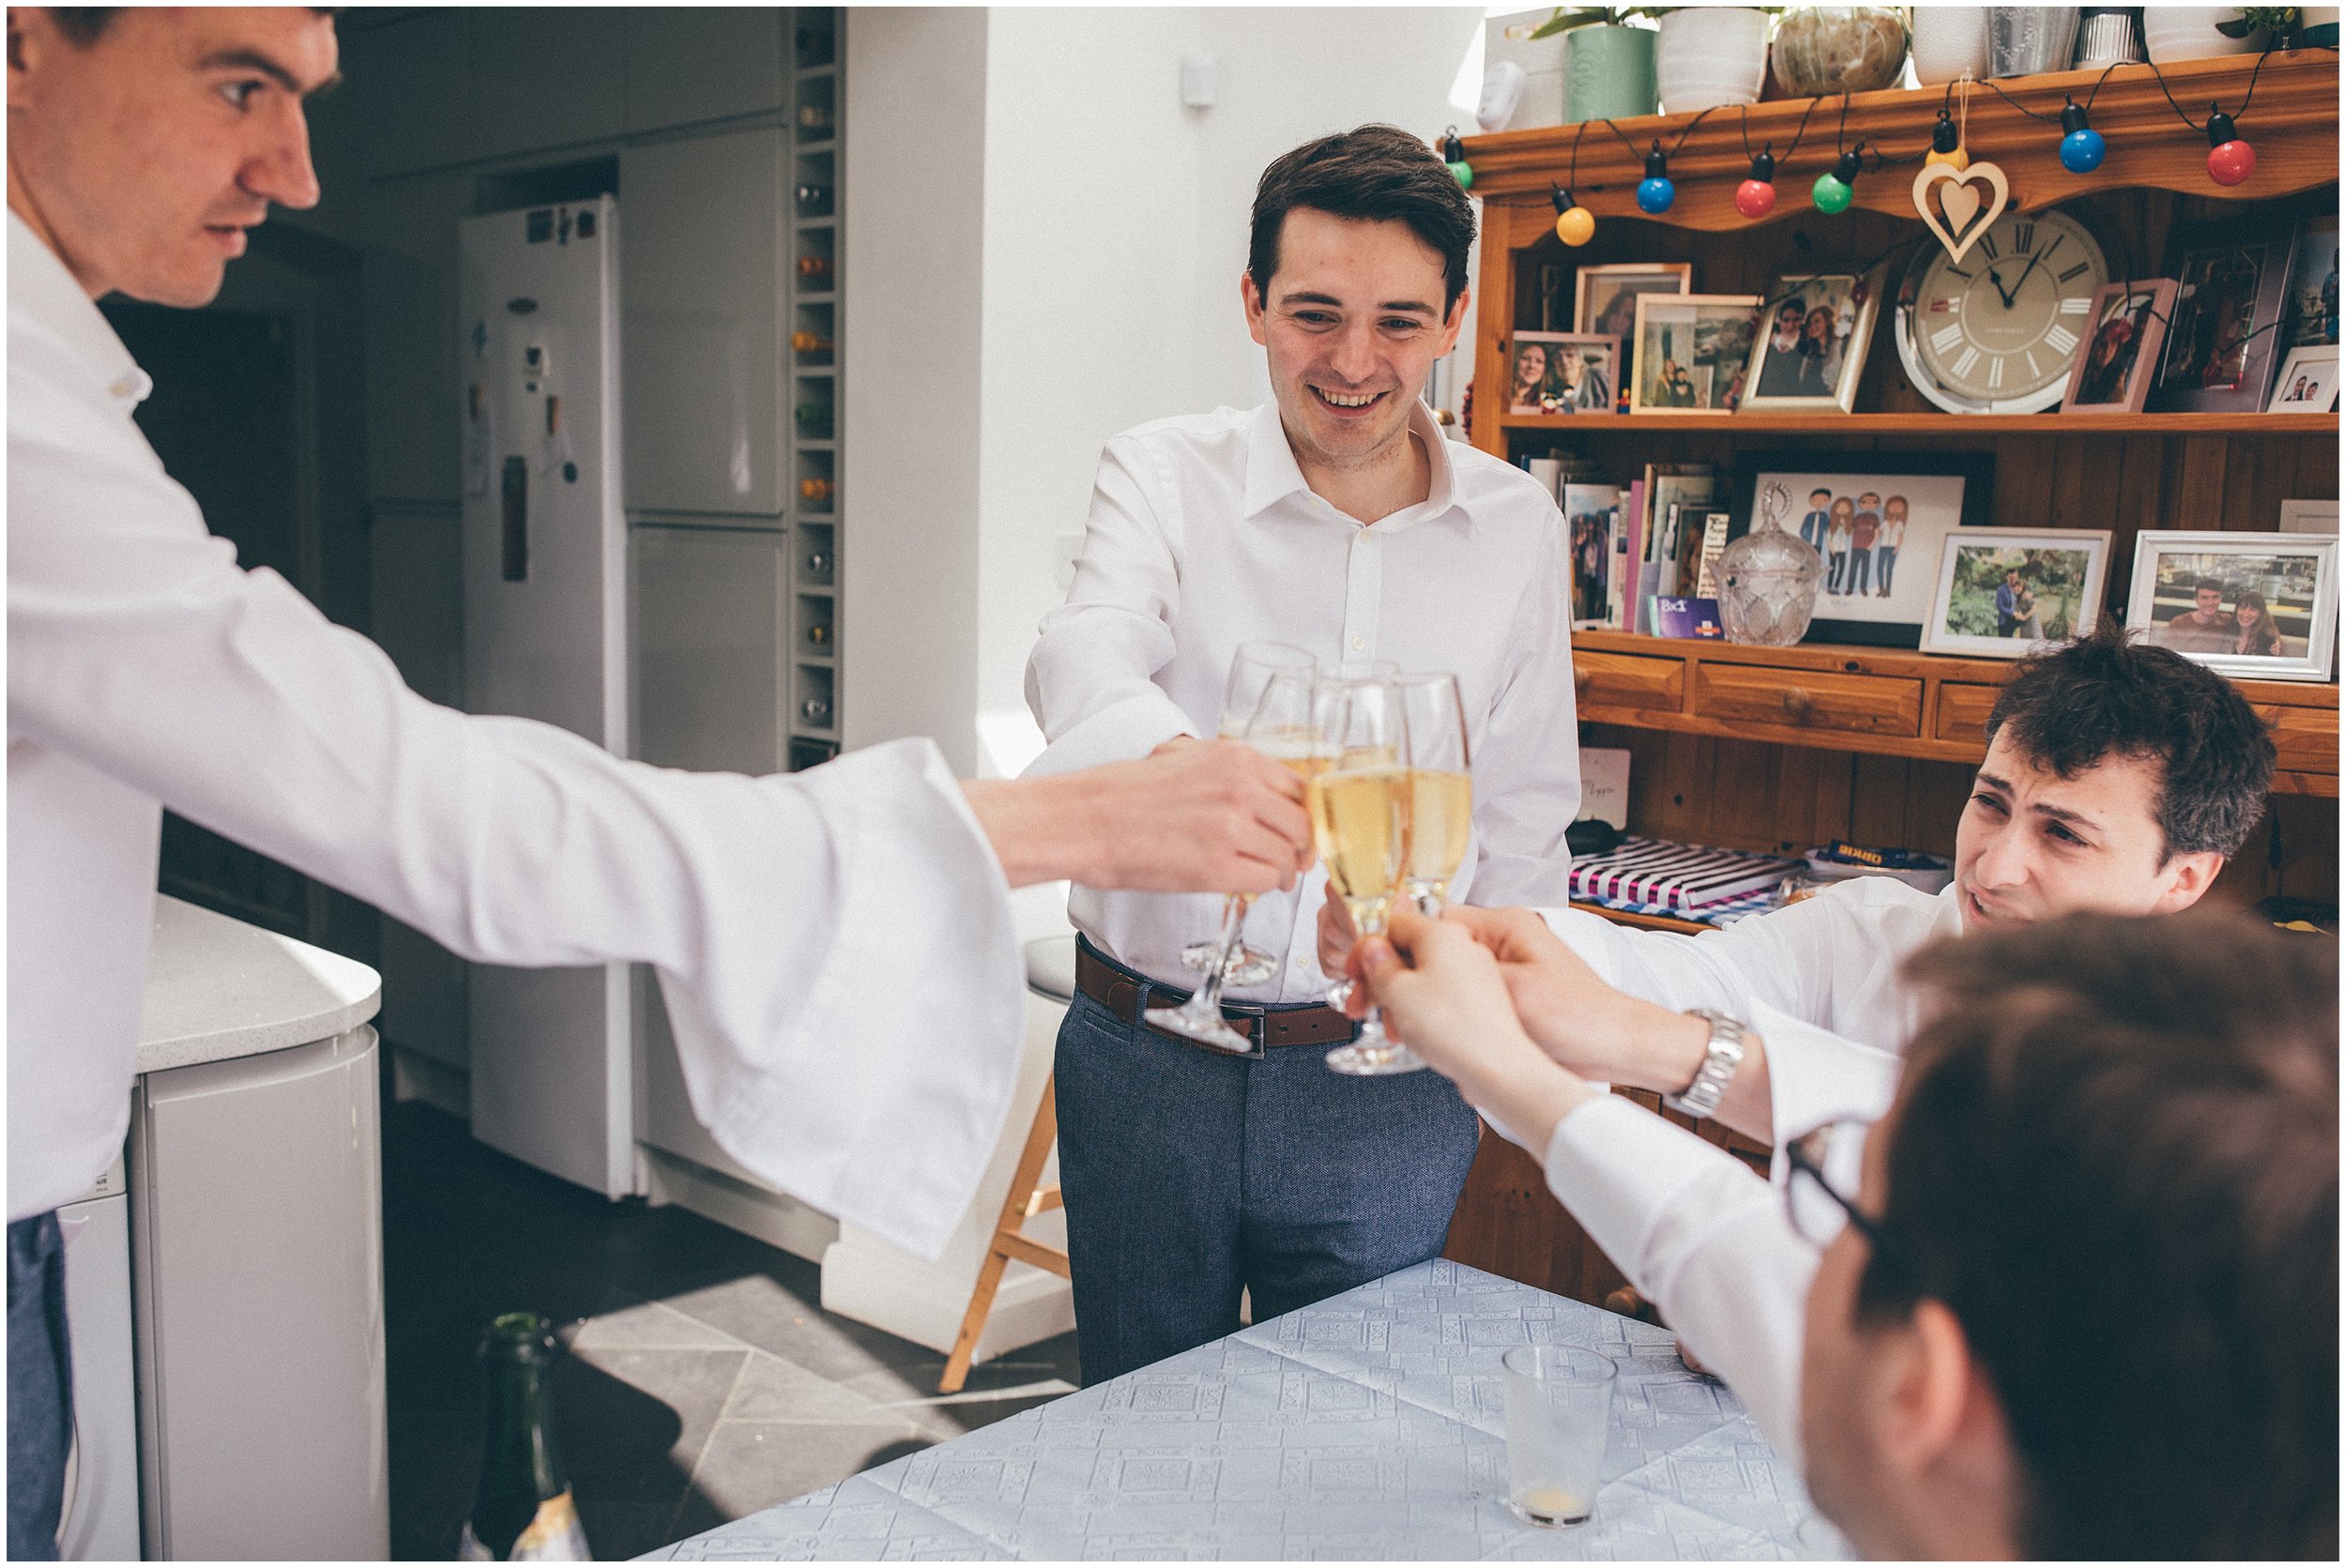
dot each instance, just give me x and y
(1997, 331)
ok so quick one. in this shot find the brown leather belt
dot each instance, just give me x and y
(1119, 990)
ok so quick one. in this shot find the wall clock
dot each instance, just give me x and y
(1997, 331)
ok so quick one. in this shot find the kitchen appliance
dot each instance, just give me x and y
(546, 637)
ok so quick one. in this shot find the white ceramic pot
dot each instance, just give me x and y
(1710, 55)
(1949, 41)
(2173, 33)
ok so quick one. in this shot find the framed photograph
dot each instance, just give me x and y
(1877, 519)
(1592, 516)
(2308, 383)
(1810, 347)
(1604, 299)
(1562, 373)
(2221, 348)
(2126, 328)
(2260, 605)
(2308, 517)
(2313, 284)
(2005, 593)
(1692, 352)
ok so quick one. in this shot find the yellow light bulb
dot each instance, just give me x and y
(1958, 159)
(1576, 225)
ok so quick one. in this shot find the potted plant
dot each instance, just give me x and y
(1608, 68)
(1710, 54)
(2203, 32)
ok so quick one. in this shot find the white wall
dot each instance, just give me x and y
(1115, 231)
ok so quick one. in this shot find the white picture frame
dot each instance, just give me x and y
(1850, 303)
(2308, 383)
(2062, 577)
(2308, 517)
(2294, 575)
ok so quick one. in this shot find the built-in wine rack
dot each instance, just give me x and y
(816, 290)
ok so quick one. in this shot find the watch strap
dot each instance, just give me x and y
(1701, 1097)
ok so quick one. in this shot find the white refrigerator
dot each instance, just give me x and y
(546, 637)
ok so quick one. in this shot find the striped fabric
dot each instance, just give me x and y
(1655, 876)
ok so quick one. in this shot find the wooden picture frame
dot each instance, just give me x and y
(2056, 597)
(1702, 342)
(1944, 491)
(1597, 291)
(2294, 575)
(2126, 333)
(1851, 302)
(2231, 283)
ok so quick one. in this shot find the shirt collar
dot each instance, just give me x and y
(1273, 473)
(43, 293)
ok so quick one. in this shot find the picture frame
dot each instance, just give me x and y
(2188, 589)
(2006, 593)
(2309, 517)
(2308, 383)
(1816, 361)
(2312, 306)
(2231, 288)
(1691, 352)
(1942, 492)
(1577, 373)
(1592, 527)
(1599, 292)
(2125, 330)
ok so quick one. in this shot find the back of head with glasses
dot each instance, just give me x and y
(2089, 1306)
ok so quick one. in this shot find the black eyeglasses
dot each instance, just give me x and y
(1817, 1223)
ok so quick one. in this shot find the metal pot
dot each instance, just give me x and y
(2029, 40)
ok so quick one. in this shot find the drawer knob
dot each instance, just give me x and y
(1795, 702)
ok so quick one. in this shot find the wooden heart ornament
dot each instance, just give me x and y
(1968, 212)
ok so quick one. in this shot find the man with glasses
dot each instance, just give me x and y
(2083, 1300)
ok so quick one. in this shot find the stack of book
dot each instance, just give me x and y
(1634, 546)
(1689, 881)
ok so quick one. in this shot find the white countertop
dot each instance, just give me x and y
(218, 988)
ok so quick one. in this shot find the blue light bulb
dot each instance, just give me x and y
(2082, 148)
(1656, 195)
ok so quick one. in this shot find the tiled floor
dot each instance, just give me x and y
(703, 1382)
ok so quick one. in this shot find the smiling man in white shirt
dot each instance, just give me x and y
(1338, 520)
(2119, 778)
(146, 669)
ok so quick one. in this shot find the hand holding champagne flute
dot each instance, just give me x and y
(1270, 704)
(1360, 808)
(1251, 671)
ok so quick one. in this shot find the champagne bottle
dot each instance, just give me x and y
(522, 1511)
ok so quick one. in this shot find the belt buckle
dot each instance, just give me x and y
(1257, 1032)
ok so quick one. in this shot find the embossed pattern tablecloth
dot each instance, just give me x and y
(1369, 1426)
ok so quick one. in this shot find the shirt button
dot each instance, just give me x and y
(126, 387)
(1357, 642)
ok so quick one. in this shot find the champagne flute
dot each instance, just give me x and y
(1441, 790)
(1280, 723)
(1251, 672)
(1361, 820)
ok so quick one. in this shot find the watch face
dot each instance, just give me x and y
(1999, 331)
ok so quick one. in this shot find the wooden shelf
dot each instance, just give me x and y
(1928, 424)
(1645, 922)
(2294, 128)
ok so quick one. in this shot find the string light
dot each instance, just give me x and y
(1453, 154)
(1756, 197)
(1656, 191)
(2082, 147)
(1837, 186)
(1576, 225)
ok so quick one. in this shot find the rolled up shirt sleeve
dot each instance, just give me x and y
(1702, 1236)
(1087, 679)
(836, 947)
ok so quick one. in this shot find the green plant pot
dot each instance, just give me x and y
(1609, 73)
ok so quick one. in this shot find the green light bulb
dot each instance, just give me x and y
(1831, 193)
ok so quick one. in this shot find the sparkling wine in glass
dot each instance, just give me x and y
(1280, 719)
(1361, 823)
(1441, 789)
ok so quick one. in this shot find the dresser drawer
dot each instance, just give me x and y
(2306, 737)
(1963, 711)
(1806, 699)
(1625, 680)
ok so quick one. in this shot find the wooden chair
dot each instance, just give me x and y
(1027, 1199)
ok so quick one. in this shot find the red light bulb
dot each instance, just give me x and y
(2230, 159)
(1756, 197)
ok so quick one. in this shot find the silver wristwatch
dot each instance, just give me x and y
(1701, 1097)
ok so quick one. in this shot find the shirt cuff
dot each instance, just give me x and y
(1118, 733)
(1816, 1077)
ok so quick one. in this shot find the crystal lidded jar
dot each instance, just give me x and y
(1768, 580)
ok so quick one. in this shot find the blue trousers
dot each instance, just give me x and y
(1189, 1175)
(41, 1387)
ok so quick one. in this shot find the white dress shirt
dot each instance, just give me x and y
(1204, 535)
(784, 915)
(1695, 1229)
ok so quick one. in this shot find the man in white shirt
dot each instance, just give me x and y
(2083, 1302)
(1336, 519)
(146, 669)
(2119, 778)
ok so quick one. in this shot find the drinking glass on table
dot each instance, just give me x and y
(1251, 671)
(1441, 790)
(1361, 824)
(1282, 724)
(1560, 1402)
